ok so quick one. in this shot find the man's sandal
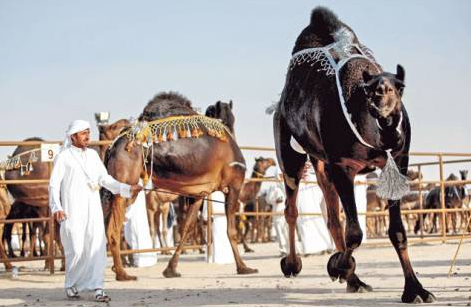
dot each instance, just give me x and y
(100, 296)
(72, 293)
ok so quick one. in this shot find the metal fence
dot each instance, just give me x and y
(443, 211)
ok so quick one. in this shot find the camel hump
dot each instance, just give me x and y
(324, 21)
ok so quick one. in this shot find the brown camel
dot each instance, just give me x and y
(108, 132)
(248, 196)
(32, 197)
(181, 152)
(158, 205)
(4, 209)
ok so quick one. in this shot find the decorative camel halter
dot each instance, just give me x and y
(168, 129)
(14, 163)
(391, 183)
(174, 127)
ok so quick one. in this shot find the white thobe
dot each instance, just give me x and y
(360, 201)
(136, 231)
(73, 188)
(313, 231)
(169, 238)
(221, 250)
(276, 198)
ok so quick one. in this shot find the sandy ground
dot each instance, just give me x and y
(205, 284)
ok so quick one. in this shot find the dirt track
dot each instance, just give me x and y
(205, 284)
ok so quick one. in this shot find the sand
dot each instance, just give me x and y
(204, 284)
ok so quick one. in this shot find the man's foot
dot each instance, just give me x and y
(72, 293)
(100, 296)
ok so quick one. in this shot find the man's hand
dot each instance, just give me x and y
(135, 188)
(60, 216)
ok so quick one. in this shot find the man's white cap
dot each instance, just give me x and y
(74, 127)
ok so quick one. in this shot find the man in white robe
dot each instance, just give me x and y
(74, 200)
(221, 250)
(313, 232)
(274, 194)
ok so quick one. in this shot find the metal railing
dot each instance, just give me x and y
(443, 211)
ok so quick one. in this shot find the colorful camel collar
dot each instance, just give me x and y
(174, 127)
(15, 162)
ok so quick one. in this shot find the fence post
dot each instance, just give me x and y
(209, 237)
(442, 198)
(52, 233)
(51, 244)
(257, 222)
(421, 203)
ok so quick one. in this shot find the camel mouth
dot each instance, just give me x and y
(377, 112)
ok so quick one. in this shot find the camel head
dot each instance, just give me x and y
(262, 164)
(384, 92)
(222, 111)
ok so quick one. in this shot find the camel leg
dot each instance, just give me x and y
(247, 229)
(7, 234)
(114, 228)
(292, 164)
(340, 265)
(170, 271)
(4, 257)
(291, 265)
(150, 219)
(163, 234)
(413, 290)
(23, 238)
(232, 207)
(32, 240)
(332, 201)
(47, 242)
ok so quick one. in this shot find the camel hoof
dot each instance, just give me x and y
(337, 269)
(125, 277)
(417, 300)
(355, 285)
(430, 298)
(246, 270)
(291, 269)
(249, 250)
(416, 294)
(171, 273)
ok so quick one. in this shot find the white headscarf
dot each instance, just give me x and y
(74, 127)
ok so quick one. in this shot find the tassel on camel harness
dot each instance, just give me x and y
(392, 184)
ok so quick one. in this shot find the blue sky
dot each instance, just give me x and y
(63, 60)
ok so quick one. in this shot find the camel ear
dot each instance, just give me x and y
(400, 73)
(230, 104)
(218, 105)
(211, 111)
